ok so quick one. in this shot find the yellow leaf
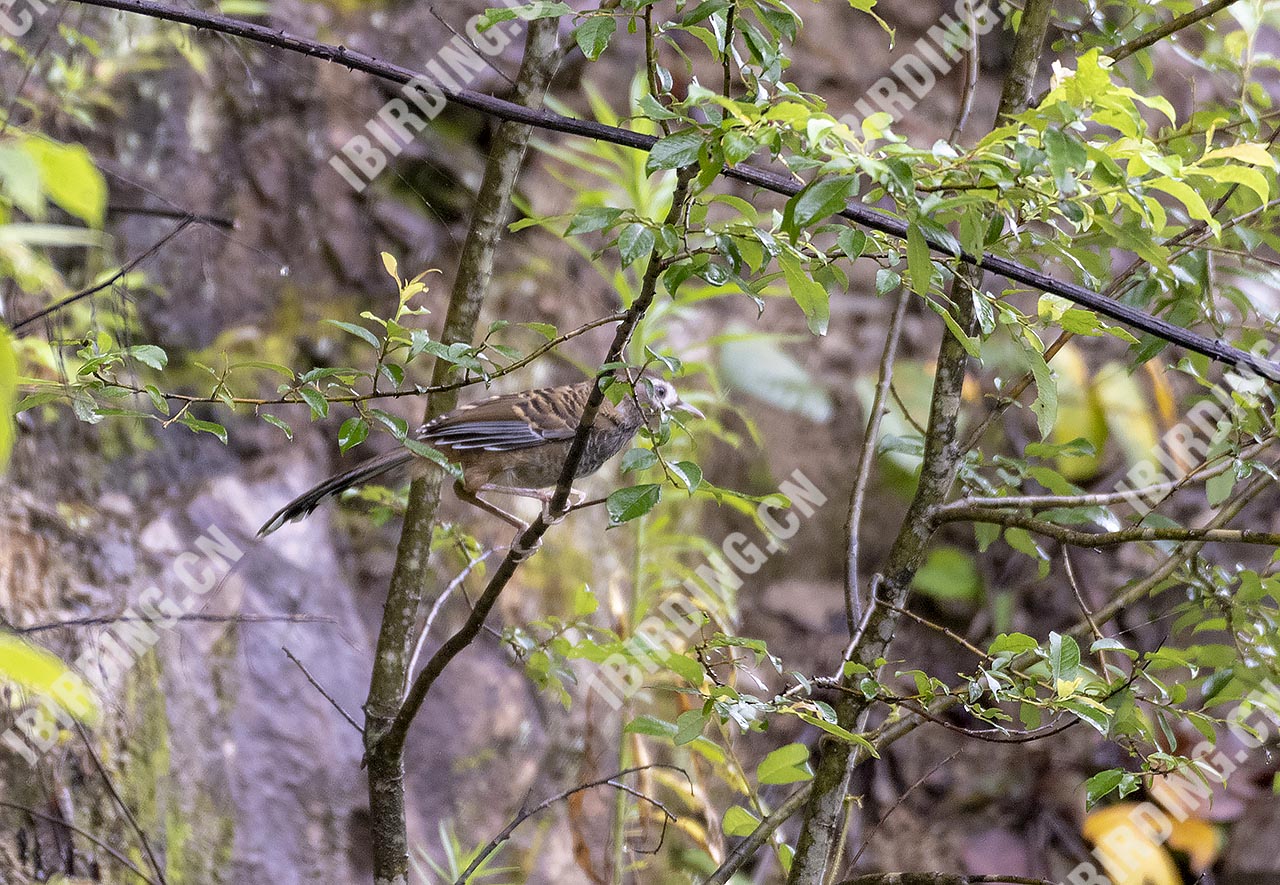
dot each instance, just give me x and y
(1129, 854)
(1199, 839)
(1124, 403)
(1165, 403)
(37, 672)
(1079, 415)
(1254, 154)
(1067, 687)
(389, 264)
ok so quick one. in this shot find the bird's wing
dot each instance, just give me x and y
(512, 421)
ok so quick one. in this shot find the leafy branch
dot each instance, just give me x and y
(857, 212)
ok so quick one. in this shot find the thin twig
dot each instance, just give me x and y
(110, 281)
(743, 851)
(1155, 35)
(858, 212)
(465, 39)
(57, 821)
(320, 688)
(120, 803)
(1084, 608)
(217, 221)
(970, 86)
(1139, 589)
(950, 634)
(987, 735)
(866, 460)
(728, 47)
(610, 781)
(1078, 538)
(894, 807)
(106, 620)
(438, 605)
(293, 399)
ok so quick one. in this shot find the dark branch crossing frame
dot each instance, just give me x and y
(763, 178)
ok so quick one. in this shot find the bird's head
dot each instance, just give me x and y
(659, 397)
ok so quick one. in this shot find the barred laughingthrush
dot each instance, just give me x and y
(514, 444)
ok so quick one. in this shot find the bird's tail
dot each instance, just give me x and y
(309, 500)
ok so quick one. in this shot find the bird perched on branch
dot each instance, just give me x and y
(515, 444)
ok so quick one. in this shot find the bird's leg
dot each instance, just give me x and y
(576, 496)
(465, 494)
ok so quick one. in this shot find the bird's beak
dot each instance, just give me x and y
(683, 406)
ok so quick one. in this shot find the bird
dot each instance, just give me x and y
(514, 444)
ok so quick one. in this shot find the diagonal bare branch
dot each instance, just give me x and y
(857, 212)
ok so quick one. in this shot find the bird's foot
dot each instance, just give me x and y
(576, 497)
(518, 553)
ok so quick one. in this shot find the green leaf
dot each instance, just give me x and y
(844, 734)
(1102, 783)
(1064, 657)
(27, 403)
(852, 242)
(391, 266)
(1100, 719)
(1012, 643)
(315, 399)
(149, 354)
(1218, 488)
(674, 151)
(528, 12)
(636, 241)
(20, 180)
(269, 366)
(276, 422)
(949, 574)
(352, 432)
(592, 219)
(359, 331)
(398, 426)
(423, 450)
(785, 765)
(1021, 540)
(816, 201)
(34, 671)
(689, 725)
(546, 330)
(627, 504)
(688, 473)
(919, 261)
(739, 822)
(593, 35)
(638, 459)
(807, 292)
(70, 178)
(1046, 405)
(738, 146)
(199, 426)
(584, 601)
(650, 725)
